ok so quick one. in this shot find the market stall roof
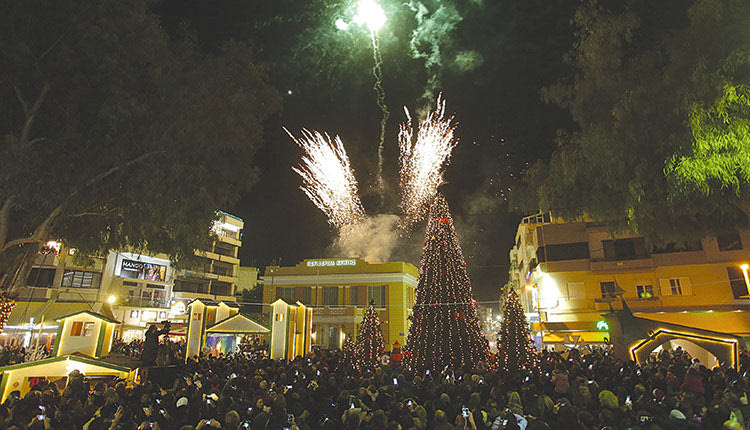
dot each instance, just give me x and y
(237, 323)
(93, 314)
(13, 376)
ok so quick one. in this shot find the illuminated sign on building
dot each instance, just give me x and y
(332, 263)
(140, 270)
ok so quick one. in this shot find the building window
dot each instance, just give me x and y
(41, 277)
(567, 251)
(81, 279)
(624, 249)
(286, 294)
(354, 295)
(160, 298)
(737, 282)
(694, 245)
(146, 298)
(645, 291)
(608, 289)
(88, 329)
(222, 269)
(376, 293)
(729, 241)
(191, 286)
(674, 285)
(224, 249)
(576, 290)
(221, 288)
(306, 295)
(279, 317)
(330, 296)
(77, 328)
(134, 314)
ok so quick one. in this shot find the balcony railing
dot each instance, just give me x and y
(145, 303)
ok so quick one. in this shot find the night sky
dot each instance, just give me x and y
(490, 59)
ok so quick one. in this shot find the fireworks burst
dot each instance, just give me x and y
(422, 161)
(328, 178)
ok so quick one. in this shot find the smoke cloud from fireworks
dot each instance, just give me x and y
(373, 239)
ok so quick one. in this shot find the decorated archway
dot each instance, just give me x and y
(636, 337)
(724, 347)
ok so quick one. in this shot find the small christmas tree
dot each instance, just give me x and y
(445, 328)
(348, 359)
(517, 351)
(369, 340)
(6, 307)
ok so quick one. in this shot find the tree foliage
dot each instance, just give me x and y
(116, 135)
(657, 99)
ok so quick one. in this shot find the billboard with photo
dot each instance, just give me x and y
(141, 270)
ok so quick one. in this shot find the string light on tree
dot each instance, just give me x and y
(6, 307)
(445, 329)
(515, 350)
(348, 359)
(369, 340)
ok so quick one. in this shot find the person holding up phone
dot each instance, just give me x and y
(465, 420)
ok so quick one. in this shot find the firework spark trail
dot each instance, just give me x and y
(422, 161)
(377, 71)
(328, 178)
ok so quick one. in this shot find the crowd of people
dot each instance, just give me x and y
(588, 389)
(15, 354)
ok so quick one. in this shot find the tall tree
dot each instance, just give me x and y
(445, 328)
(116, 136)
(647, 97)
(515, 349)
(369, 339)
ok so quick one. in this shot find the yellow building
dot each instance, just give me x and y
(339, 290)
(568, 273)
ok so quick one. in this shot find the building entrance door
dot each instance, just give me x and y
(333, 340)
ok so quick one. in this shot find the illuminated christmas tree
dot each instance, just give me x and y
(6, 307)
(445, 328)
(348, 360)
(517, 350)
(369, 340)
